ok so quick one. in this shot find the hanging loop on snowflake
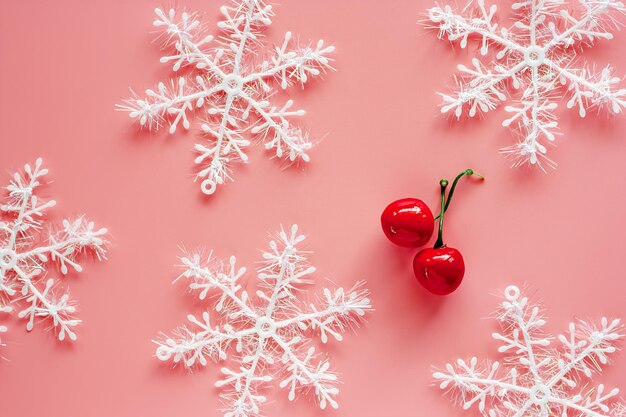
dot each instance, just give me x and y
(537, 57)
(537, 380)
(232, 87)
(208, 187)
(269, 334)
(511, 293)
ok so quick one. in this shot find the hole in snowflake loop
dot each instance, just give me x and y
(232, 84)
(540, 394)
(265, 327)
(208, 187)
(534, 56)
(163, 353)
(8, 259)
(511, 293)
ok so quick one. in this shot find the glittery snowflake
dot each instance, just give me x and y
(535, 55)
(231, 85)
(271, 334)
(26, 254)
(537, 379)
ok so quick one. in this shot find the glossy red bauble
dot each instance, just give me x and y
(408, 222)
(439, 270)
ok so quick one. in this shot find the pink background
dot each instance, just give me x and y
(64, 66)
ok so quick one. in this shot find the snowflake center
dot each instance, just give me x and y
(8, 259)
(540, 394)
(232, 84)
(265, 327)
(534, 56)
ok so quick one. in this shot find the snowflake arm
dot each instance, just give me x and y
(310, 371)
(194, 347)
(540, 381)
(270, 332)
(231, 87)
(23, 263)
(46, 304)
(187, 39)
(587, 28)
(587, 345)
(588, 89)
(454, 26)
(64, 247)
(477, 383)
(285, 268)
(525, 336)
(285, 138)
(244, 400)
(223, 279)
(339, 310)
(479, 88)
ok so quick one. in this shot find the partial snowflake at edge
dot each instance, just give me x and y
(27, 252)
(536, 379)
(537, 57)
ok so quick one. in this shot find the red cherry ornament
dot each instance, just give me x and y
(408, 222)
(439, 270)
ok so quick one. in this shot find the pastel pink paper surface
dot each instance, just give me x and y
(66, 64)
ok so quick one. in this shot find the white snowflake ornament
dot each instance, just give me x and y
(269, 337)
(536, 55)
(232, 86)
(537, 379)
(26, 253)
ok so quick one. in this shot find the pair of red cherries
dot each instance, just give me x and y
(409, 222)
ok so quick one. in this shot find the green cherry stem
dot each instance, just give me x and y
(444, 184)
(468, 172)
